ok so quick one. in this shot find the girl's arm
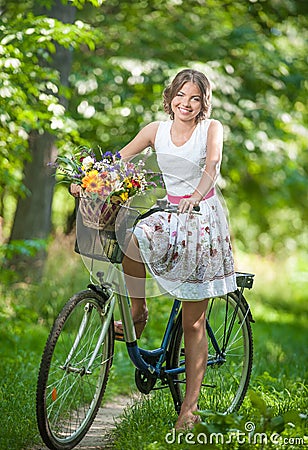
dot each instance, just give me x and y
(145, 138)
(212, 161)
(211, 169)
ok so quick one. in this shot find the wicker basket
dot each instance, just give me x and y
(98, 214)
(111, 248)
(102, 229)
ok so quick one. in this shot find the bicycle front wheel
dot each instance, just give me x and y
(74, 370)
(230, 353)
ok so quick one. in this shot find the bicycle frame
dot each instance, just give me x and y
(116, 288)
(138, 355)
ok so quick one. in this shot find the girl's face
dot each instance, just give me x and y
(186, 104)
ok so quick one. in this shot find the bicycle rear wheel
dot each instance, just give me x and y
(71, 386)
(230, 350)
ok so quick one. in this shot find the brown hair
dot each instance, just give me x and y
(197, 78)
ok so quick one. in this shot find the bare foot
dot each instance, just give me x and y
(187, 421)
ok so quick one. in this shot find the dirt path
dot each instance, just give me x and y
(98, 436)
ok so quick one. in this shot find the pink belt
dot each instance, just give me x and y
(175, 199)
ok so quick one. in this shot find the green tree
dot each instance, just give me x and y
(38, 57)
(254, 53)
(33, 212)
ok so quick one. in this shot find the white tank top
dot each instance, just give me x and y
(181, 166)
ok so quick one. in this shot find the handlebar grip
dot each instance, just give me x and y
(158, 209)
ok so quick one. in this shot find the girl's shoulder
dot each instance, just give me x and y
(210, 126)
(152, 127)
(163, 125)
(215, 127)
(148, 132)
(162, 132)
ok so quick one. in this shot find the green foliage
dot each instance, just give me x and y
(80, 3)
(31, 88)
(23, 247)
(279, 370)
(125, 53)
(17, 393)
(18, 248)
(257, 78)
(145, 423)
(27, 313)
(265, 427)
(148, 424)
(277, 402)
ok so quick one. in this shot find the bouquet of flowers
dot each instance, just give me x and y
(106, 184)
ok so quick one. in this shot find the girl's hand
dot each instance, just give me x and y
(187, 204)
(75, 190)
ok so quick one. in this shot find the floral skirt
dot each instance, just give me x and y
(189, 255)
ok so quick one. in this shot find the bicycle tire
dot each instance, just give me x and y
(225, 384)
(68, 396)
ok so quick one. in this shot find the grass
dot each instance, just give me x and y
(26, 314)
(279, 375)
(278, 387)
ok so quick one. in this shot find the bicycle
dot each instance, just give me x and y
(78, 355)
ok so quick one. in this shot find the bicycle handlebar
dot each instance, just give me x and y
(162, 207)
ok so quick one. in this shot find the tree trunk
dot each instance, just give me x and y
(33, 214)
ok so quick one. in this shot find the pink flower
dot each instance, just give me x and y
(175, 255)
(213, 251)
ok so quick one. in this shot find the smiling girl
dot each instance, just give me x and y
(189, 255)
(191, 258)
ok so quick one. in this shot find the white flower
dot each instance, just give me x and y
(87, 163)
(117, 184)
(113, 176)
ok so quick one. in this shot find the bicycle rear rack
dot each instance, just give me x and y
(244, 280)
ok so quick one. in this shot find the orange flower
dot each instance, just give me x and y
(92, 182)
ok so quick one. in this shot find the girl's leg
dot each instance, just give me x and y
(135, 274)
(196, 354)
